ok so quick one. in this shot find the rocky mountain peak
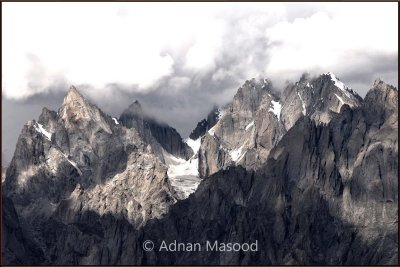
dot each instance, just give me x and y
(331, 78)
(258, 84)
(136, 103)
(48, 119)
(249, 96)
(135, 108)
(73, 96)
(311, 176)
(319, 98)
(77, 112)
(132, 116)
(74, 104)
(377, 82)
(381, 85)
(204, 125)
(46, 113)
(382, 92)
(305, 77)
(154, 132)
(72, 88)
(381, 102)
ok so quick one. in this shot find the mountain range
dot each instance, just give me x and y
(309, 172)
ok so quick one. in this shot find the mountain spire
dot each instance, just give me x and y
(73, 96)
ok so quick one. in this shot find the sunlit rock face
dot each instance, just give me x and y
(249, 127)
(310, 173)
(78, 161)
(327, 194)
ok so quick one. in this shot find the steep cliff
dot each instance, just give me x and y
(321, 189)
(154, 132)
(326, 195)
(258, 117)
(79, 161)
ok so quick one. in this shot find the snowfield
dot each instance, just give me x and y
(184, 174)
(276, 109)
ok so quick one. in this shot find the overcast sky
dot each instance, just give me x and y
(179, 59)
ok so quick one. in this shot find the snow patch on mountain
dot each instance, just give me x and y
(304, 111)
(276, 109)
(194, 144)
(212, 130)
(183, 174)
(72, 163)
(39, 128)
(249, 125)
(340, 99)
(221, 113)
(339, 84)
(116, 121)
(179, 166)
(237, 154)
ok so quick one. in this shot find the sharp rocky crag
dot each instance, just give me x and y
(310, 172)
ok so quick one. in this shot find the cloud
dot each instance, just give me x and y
(179, 59)
(141, 43)
(341, 42)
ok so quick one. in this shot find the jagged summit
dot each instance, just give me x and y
(136, 103)
(206, 124)
(74, 101)
(135, 108)
(256, 84)
(311, 175)
(305, 77)
(339, 84)
(263, 82)
(73, 91)
(77, 112)
(379, 84)
(319, 97)
(133, 112)
(335, 80)
(381, 101)
(249, 96)
(154, 132)
(73, 95)
(82, 155)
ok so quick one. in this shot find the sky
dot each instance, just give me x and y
(181, 59)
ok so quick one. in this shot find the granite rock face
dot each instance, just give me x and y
(258, 117)
(79, 161)
(327, 194)
(318, 188)
(206, 124)
(154, 132)
(19, 247)
(318, 98)
(170, 139)
(247, 130)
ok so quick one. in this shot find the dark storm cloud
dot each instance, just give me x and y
(364, 68)
(182, 108)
